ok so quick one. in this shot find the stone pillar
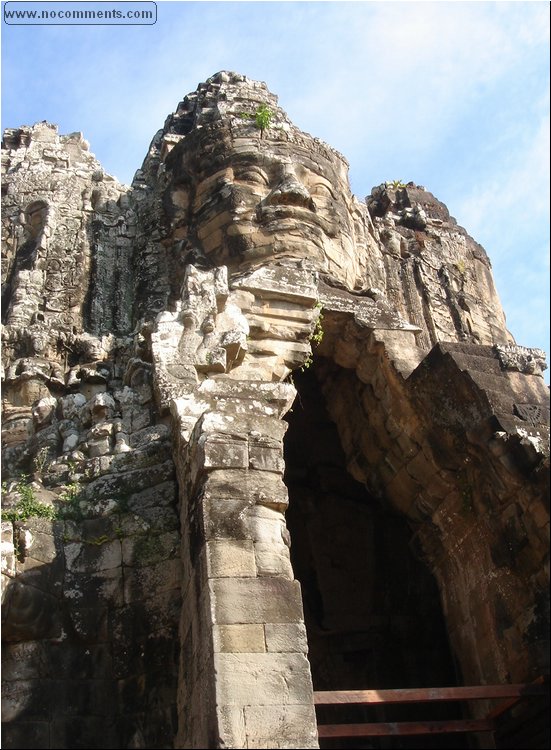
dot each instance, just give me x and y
(245, 679)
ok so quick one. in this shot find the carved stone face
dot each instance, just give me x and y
(246, 200)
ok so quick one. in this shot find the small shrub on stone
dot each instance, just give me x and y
(28, 505)
(263, 117)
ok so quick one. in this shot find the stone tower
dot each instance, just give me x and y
(180, 572)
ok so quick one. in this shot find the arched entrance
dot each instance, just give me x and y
(372, 608)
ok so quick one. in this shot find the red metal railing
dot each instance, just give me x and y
(512, 693)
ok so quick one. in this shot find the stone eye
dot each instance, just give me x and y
(252, 175)
(321, 190)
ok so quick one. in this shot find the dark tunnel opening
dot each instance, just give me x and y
(372, 609)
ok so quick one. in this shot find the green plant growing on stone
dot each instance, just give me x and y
(315, 338)
(460, 265)
(28, 505)
(263, 117)
(41, 459)
(396, 184)
(308, 362)
(70, 499)
(98, 540)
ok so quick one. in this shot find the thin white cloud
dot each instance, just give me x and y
(517, 192)
(409, 69)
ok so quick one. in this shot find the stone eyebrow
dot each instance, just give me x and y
(249, 166)
(324, 182)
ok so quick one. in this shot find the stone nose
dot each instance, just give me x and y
(290, 192)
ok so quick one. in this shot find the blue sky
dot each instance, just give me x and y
(451, 95)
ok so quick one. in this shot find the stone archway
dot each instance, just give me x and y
(372, 608)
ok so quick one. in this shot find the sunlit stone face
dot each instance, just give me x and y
(246, 200)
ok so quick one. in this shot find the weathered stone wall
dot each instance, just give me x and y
(150, 336)
(91, 574)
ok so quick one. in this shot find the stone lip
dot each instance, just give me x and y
(367, 311)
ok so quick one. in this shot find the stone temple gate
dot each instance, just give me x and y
(260, 439)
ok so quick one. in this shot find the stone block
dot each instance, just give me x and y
(163, 494)
(29, 613)
(126, 483)
(42, 545)
(224, 518)
(421, 469)
(7, 551)
(248, 398)
(89, 698)
(288, 726)
(402, 490)
(93, 555)
(231, 726)
(273, 282)
(230, 558)
(90, 624)
(266, 525)
(263, 679)
(26, 699)
(150, 548)
(32, 735)
(273, 560)
(222, 452)
(441, 483)
(81, 662)
(259, 488)
(286, 637)
(137, 625)
(265, 454)
(241, 519)
(255, 600)
(96, 588)
(149, 436)
(239, 638)
(25, 661)
(138, 582)
(82, 732)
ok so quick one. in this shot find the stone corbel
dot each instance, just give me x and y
(521, 358)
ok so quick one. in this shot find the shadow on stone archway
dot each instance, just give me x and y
(372, 607)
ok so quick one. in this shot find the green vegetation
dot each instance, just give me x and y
(316, 337)
(396, 184)
(263, 117)
(28, 505)
(98, 540)
(41, 459)
(70, 498)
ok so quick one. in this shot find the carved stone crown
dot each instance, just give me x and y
(231, 100)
